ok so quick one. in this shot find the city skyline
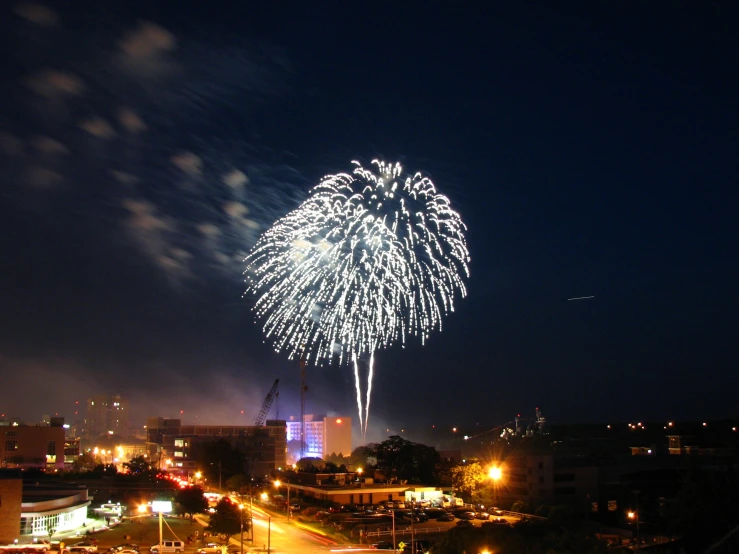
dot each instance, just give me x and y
(588, 148)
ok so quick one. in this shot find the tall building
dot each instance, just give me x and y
(107, 414)
(323, 435)
(176, 445)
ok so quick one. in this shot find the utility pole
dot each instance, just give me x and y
(413, 529)
(636, 493)
(394, 543)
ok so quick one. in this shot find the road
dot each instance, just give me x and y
(284, 538)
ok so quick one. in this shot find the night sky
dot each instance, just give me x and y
(590, 147)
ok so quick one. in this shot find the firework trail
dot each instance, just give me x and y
(370, 259)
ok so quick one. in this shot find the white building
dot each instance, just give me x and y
(323, 435)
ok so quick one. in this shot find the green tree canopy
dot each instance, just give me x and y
(191, 501)
(85, 462)
(227, 519)
(467, 477)
(138, 466)
(414, 462)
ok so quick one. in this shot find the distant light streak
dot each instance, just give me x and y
(368, 260)
(581, 298)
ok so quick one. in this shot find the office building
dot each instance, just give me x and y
(324, 435)
(175, 446)
(26, 447)
(106, 415)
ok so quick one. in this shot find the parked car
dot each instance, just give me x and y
(464, 523)
(83, 546)
(168, 547)
(501, 520)
(210, 548)
(466, 515)
(125, 546)
(446, 517)
(482, 515)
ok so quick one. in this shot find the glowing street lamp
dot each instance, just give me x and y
(277, 484)
(495, 474)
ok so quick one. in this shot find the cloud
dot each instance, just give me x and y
(98, 127)
(235, 179)
(144, 216)
(188, 163)
(37, 13)
(53, 82)
(146, 49)
(152, 232)
(124, 178)
(41, 177)
(235, 210)
(131, 121)
(10, 144)
(48, 145)
(209, 230)
(222, 258)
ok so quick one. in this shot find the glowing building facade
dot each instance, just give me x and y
(323, 435)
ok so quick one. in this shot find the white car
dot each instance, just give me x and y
(210, 548)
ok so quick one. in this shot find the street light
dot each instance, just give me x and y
(241, 520)
(277, 484)
(495, 474)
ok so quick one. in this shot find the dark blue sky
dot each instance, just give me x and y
(590, 147)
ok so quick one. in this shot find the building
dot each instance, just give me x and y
(25, 447)
(547, 479)
(11, 494)
(48, 509)
(106, 415)
(176, 446)
(324, 435)
(39, 511)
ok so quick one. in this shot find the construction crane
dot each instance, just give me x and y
(259, 421)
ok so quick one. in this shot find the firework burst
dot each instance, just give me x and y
(370, 259)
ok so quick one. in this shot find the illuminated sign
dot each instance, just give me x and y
(164, 506)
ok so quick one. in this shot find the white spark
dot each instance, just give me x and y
(369, 259)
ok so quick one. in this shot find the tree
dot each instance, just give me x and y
(239, 483)
(138, 466)
(311, 465)
(84, 462)
(191, 501)
(227, 520)
(414, 462)
(467, 477)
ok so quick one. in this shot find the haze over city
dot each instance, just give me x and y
(590, 149)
